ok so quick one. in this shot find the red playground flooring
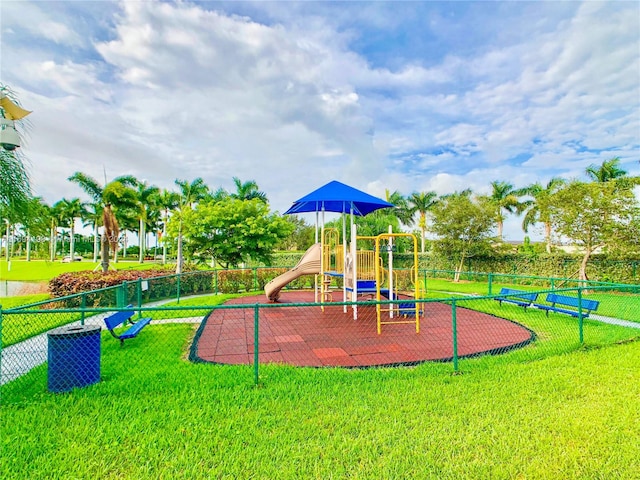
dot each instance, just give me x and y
(307, 336)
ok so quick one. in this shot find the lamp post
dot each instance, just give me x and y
(10, 112)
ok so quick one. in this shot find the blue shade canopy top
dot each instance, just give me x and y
(340, 198)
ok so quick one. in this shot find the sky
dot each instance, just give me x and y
(407, 96)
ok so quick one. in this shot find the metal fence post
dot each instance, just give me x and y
(139, 296)
(580, 319)
(0, 354)
(454, 330)
(490, 282)
(83, 306)
(256, 346)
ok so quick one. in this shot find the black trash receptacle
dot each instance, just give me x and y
(74, 357)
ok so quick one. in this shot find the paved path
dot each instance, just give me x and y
(21, 358)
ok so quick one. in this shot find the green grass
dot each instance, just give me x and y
(43, 271)
(12, 302)
(155, 415)
(622, 305)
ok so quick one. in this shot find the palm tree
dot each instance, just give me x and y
(538, 209)
(248, 191)
(609, 170)
(422, 202)
(36, 222)
(167, 201)
(402, 210)
(146, 199)
(93, 218)
(15, 189)
(68, 211)
(190, 193)
(114, 194)
(504, 198)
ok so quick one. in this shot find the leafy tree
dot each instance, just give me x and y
(190, 193)
(167, 201)
(35, 222)
(538, 209)
(67, 211)
(114, 195)
(15, 189)
(248, 191)
(146, 200)
(594, 216)
(463, 225)
(504, 199)
(302, 236)
(609, 170)
(402, 210)
(232, 231)
(422, 203)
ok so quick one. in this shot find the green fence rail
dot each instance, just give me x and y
(250, 334)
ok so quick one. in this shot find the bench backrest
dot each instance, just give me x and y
(118, 318)
(519, 293)
(572, 301)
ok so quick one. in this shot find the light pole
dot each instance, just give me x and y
(9, 138)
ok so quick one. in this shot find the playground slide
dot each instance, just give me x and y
(309, 264)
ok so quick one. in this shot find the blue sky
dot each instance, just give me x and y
(408, 96)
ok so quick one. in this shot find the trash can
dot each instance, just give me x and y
(74, 357)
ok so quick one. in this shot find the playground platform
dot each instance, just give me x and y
(307, 336)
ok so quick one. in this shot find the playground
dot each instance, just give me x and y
(356, 316)
(297, 332)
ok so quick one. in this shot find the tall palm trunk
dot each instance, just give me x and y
(164, 238)
(179, 260)
(547, 235)
(72, 242)
(110, 235)
(141, 241)
(95, 242)
(423, 228)
(28, 246)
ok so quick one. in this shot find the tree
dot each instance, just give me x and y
(36, 221)
(504, 199)
(167, 201)
(302, 236)
(114, 194)
(146, 199)
(538, 209)
(463, 225)
(189, 194)
(232, 231)
(422, 203)
(15, 189)
(609, 170)
(248, 191)
(68, 211)
(594, 216)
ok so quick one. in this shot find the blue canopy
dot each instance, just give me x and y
(338, 197)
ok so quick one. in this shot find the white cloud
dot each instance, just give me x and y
(277, 93)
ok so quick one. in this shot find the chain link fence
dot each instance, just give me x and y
(144, 339)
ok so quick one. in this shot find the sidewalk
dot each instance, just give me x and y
(21, 358)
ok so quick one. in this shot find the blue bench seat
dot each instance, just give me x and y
(123, 317)
(587, 306)
(518, 297)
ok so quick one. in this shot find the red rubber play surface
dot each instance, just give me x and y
(306, 336)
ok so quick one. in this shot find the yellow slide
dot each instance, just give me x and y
(309, 264)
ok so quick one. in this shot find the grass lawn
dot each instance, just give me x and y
(43, 270)
(621, 305)
(156, 415)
